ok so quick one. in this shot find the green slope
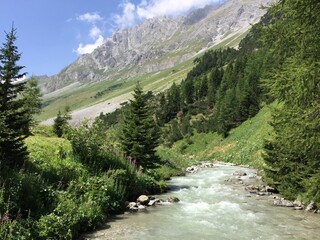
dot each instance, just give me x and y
(242, 146)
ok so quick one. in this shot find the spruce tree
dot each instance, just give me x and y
(61, 122)
(13, 115)
(32, 102)
(140, 135)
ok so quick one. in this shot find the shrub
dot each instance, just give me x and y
(69, 219)
(103, 190)
(12, 229)
(151, 185)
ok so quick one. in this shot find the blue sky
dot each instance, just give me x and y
(54, 33)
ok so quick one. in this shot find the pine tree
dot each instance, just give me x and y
(188, 91)
(32, 102)
(58, 124)
(13, 115)
(140, 135)
(61, 122)
(214, 81)
(174, 100)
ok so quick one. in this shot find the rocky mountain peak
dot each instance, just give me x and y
(147, 47)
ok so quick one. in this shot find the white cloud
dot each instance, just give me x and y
(168, 7)
(95, 32)
(131, 13)
(90, 17)
(128, 16)
(89, 48)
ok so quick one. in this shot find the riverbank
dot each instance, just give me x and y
(213, 206)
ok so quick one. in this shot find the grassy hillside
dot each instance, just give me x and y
(242, 146)
(78, 95)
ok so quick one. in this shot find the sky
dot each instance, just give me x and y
(51, 34)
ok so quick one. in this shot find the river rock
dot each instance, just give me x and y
(283, 202)
(192, 169)
(206, 165)
(261, 190)
(239, 173)
(143, 199)
(141, 207)
(271, 189)
(173, 199)
(311, 207)
(153, 202)
(252, 189)
(298, 203)
(133, 206)
(298, 208)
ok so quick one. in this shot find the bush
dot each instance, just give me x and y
(69, 219)
(12, 229)
(151, 185)
(103, 190)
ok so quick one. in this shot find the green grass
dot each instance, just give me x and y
(243, 146)
(52, 158)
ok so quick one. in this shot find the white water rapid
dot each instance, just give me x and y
(212, 208)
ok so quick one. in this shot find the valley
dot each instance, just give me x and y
(233, 86)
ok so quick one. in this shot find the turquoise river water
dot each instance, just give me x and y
(212, 208)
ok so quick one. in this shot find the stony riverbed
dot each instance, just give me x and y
(222, 202)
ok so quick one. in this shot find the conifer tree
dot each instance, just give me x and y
(32, 102)
(13, 115)
(61, 122)
(292, 155)
(140, 134)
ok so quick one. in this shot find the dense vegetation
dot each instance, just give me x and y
(293, 153)
(53, 187)
(278, 61)
(62, 181)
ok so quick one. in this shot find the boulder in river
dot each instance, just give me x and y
(271, 189)
(173, 199)
(153, 202)
(192, 169)
(261, 190)
(143, 199)
(133, 206)
(239, 173)
(298, 203)
(281, 202)
(311, 207)
(141, 207)
(298, 208)
(206, 165)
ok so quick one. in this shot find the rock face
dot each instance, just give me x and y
(160, 43)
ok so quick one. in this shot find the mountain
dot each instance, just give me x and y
(160, 43)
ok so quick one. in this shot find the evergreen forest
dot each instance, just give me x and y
(58, 182)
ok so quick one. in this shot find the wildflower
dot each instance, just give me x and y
(5, 218)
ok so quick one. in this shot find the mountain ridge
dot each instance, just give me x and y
(159, 43)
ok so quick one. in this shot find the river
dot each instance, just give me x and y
(212, 208)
